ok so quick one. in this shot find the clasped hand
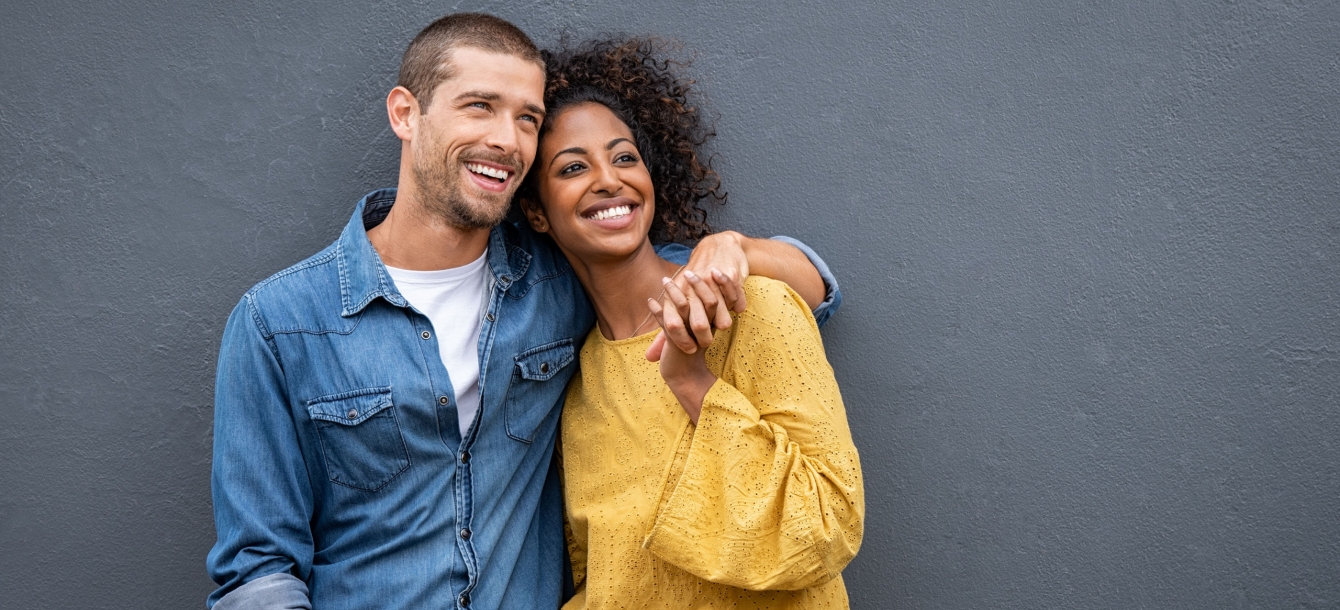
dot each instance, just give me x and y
(695, 304)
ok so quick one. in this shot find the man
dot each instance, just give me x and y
(385, 411)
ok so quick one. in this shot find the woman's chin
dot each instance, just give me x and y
(610, 248)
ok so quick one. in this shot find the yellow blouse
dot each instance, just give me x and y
(759, 506)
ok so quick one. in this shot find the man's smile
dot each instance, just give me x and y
(490, 176)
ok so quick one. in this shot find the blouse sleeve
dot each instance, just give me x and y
(769, 492)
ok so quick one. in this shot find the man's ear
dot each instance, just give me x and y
(535, 215)
(402, 108)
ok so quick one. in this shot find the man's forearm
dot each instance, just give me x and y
(786, 263)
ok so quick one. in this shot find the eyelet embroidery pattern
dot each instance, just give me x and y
(760, 505)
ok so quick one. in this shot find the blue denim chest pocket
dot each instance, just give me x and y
(531, 396)
(360, 437)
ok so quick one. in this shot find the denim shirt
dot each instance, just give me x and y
(340, 474)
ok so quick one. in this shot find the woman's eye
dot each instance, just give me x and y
(626, 158)
(569, 168)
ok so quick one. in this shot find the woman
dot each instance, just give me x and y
(727, 478)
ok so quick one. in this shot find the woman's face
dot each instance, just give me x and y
(595, 192)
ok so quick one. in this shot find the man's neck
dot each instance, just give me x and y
(415, 239)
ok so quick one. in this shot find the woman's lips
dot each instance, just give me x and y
(612, 214)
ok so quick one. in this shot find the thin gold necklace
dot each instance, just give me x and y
(658, 297)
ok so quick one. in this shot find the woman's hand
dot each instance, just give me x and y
(683, 316)
(686, 374)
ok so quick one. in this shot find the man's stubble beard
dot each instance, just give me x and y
(443, 194)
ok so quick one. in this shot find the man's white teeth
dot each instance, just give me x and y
(500, 174)
(614, 212)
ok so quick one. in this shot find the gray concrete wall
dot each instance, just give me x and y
(1091, 342)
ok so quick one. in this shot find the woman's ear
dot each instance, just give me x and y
(535, 215)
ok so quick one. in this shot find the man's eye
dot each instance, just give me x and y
(480, 105)
(530, 117)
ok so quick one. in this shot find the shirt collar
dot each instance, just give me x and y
(363, 276)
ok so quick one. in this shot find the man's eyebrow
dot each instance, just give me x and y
(493, 97)
(479, 95)
(615, 141)
(575, 150)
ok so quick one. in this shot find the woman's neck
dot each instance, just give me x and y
(619, 289)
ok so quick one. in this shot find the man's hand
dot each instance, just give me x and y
(702, 297)
(684, 315)
(721, 262)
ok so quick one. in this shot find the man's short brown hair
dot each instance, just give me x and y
(427, 64)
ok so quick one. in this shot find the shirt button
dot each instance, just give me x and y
(544, 367)
(465, 599)
(465, 534)
(441, 400)
(489, 317)
(465, 457)
(426, 335)
(353, 413)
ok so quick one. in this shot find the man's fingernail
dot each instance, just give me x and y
(665, 280)
(690, 275)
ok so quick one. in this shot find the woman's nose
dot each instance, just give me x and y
(606, 179)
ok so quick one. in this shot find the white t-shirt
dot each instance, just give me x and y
(454, 301)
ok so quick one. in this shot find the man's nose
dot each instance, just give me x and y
(505, 137)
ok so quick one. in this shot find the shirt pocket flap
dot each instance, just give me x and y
(541, 363)
(350, 408)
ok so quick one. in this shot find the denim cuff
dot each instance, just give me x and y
(832, 296)
(281, 591)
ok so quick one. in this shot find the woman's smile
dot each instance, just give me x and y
(612, 214)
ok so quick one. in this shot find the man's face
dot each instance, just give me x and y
(477, 139)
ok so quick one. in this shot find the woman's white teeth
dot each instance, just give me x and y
(500, 174)
(614, 212)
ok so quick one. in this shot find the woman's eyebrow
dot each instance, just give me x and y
(616, 141)
(575, 150)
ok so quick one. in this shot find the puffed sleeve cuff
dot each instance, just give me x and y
(832, 295)
(274, 592)
(688, 494)
(692, 529)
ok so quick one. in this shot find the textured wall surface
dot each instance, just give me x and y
(1090, 250)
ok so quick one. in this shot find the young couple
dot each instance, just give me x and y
(387, 411)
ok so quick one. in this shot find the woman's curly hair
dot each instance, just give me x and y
(637, 80)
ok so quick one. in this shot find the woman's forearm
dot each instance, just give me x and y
(688, 377)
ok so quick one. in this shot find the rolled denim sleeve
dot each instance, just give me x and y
(679, 254)
(273, 592)
(262, 495)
